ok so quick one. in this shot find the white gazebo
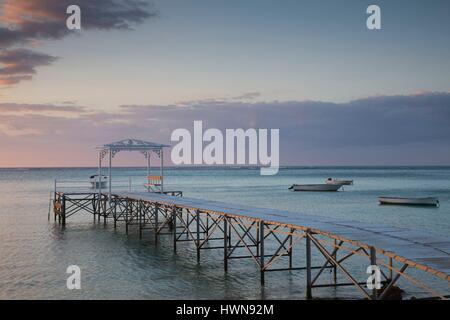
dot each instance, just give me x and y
(144, 147)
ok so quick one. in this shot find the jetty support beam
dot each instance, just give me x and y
(308, 265)
(241, 237)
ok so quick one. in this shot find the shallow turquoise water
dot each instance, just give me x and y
(35, 253)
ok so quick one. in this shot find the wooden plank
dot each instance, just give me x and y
(421, 250)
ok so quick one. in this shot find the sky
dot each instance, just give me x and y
(339, 93)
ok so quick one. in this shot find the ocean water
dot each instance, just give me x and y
(35, 252)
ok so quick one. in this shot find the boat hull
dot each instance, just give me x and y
(97, 185)
(341, 182)
(429, 201)
(315, 187)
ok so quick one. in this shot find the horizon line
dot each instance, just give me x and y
(236, 166)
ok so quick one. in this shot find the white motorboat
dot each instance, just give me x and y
(97, 183)
(315, 187)
(339, 181)
(429, 201)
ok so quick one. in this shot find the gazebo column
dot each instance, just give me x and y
(99, 184)
(161, 159)
(109, 172)
(109, 185)
(148, 153)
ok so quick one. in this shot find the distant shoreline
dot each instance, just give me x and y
(224, 167)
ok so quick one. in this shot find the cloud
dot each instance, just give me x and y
(20, 64)
(378, 121)
(38, 108)
(410, 129)
(9, 37)
(11, 80)
(13, 131)
(247, 96)
(24, 22)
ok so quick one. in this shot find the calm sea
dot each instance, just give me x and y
(35, 253)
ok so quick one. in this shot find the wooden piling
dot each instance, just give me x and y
(308, 266)
(373, 262)
(198, 235)
(335, 251)
(225, 243)
(261, 251)
(156, 222)
(174, 223)
(63, 210)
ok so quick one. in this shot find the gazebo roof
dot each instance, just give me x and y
(133, 144)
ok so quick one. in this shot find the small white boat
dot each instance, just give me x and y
(315, 187)
(97, 183)
(339, 181)
(429, 201)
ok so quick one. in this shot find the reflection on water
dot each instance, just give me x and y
(35, 253)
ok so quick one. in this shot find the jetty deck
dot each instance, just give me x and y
(427, 252)
(243, 228)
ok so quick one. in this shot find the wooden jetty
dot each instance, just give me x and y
(268, 237)
(231, 227)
